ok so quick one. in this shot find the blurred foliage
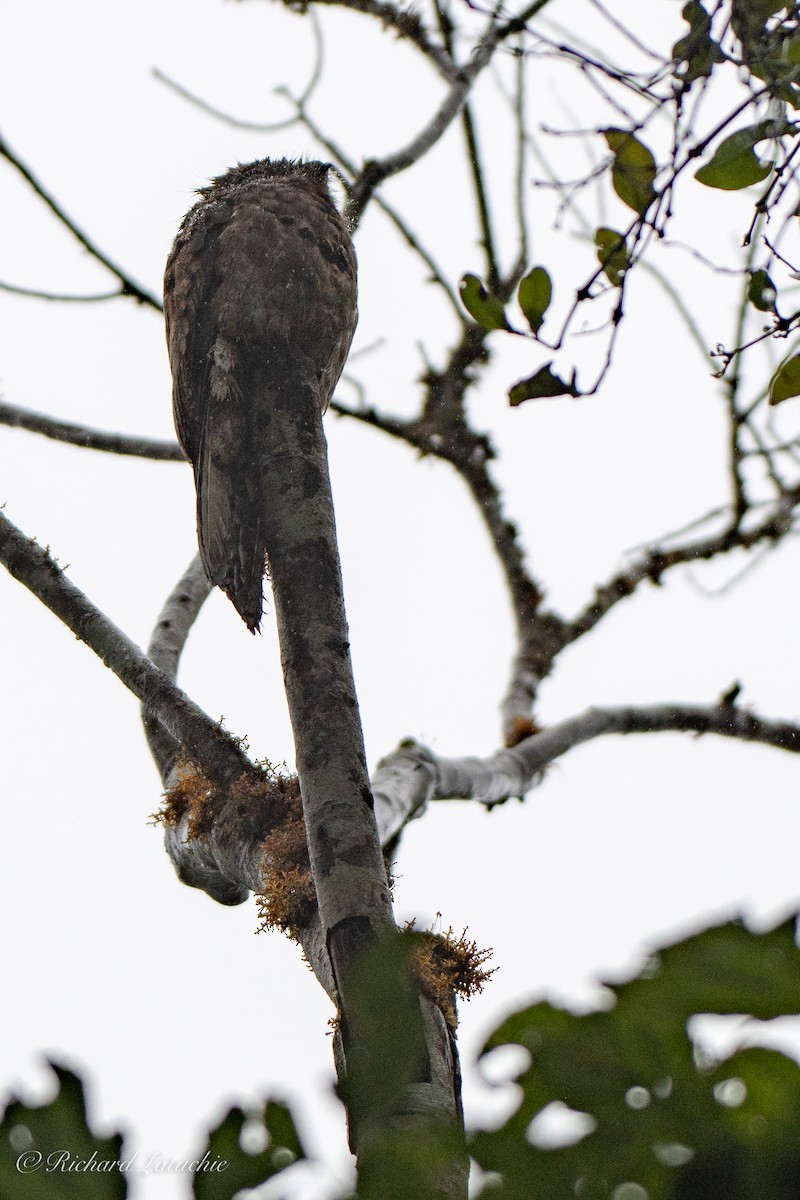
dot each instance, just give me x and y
(49, 1152)
(663, 1121)
(275, 1143)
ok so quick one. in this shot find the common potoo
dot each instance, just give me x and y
(260, 303)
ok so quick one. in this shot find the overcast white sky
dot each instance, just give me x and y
(170, 1004)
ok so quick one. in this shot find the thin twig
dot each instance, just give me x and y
(653, 564)
(254, 126)
(89, 439)
(481, 197)
(59, 297)
(522, 158)
(129, 287)
(218, 113)
(405, 23)
(375, 171)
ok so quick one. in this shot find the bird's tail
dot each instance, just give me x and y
(229, 501)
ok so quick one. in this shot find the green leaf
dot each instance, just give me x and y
(534, 295)
(542, 385)
(633, 170)
(735, 164)
(226, 1168)
(761, 292)
(749, 19)
(481, 305)
(612, 253)
(785, 383)
(42, 1148)
(696, 54)
(678, 1125)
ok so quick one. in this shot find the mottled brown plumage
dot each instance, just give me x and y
(260, 303)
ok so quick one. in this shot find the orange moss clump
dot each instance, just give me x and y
(446, 966)
(194, 795)
(289, 899)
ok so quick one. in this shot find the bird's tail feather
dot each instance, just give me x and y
(229, 502)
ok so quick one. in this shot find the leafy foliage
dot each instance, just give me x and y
(633, 170)
(663, 1121)
(762, 292)
(785, 383)
(481, 305)
(543, 384)
(612, 253)
(49, 1151)
(242, 1169)
(696, 54)
(534, 294)
(735, 164)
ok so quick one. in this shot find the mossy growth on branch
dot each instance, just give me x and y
(288, 900)
(446, 966)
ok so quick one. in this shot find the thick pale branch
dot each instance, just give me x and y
(166, 646)
(128, 287)
(413, 775)
(90, 439)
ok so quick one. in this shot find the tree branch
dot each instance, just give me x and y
(652, 565)
(90, 439)
(167, 641)
(413, 775)
(128, 286)
(404, 22)
(60, 297)
(254, 126)
(203, 739)
(442, 431)
(375, 171)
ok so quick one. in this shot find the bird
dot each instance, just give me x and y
(260, 301)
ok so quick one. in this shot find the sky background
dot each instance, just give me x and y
(170, 1005)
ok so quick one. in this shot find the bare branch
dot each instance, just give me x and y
(90, 439)
(522, 157)
(254, 126)
(481, 197)
(59, 297)
(411, 239)
(204, 740)
(129, 288)
(732, 384)
(217, 113)
(404, 22)
(442, 432)
(413, 775)
(375, 171)
(166, 646)
(652, 565)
